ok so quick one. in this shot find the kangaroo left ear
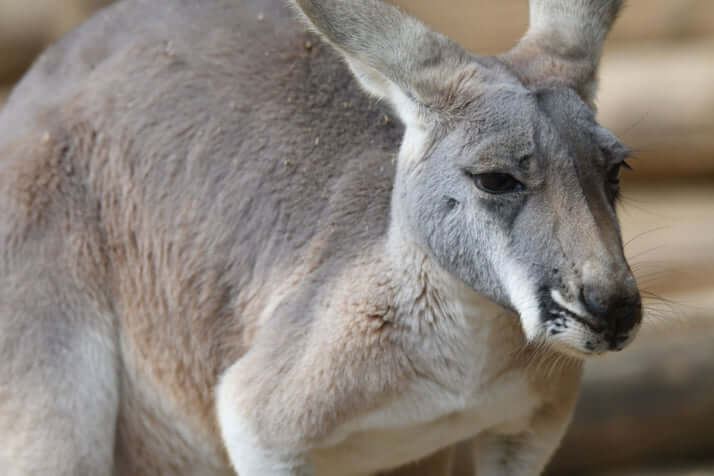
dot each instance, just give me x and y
(564, 43)
(393, 55)
(611, 145)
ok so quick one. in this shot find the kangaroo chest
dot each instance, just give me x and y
(423, 420)
(469, 382)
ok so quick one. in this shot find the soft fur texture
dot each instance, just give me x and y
(215, 255)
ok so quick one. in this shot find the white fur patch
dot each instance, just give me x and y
(248, 456)
(414, 144)
(574, 307)
(376, 84)
(524, 297)
(573, 336)
(569, 335)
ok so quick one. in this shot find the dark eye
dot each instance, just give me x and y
(497, 183)
(613, 175)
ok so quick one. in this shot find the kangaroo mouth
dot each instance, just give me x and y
(577, 334)
(552, 311)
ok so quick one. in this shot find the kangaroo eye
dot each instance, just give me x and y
(613, 175)
(497, 183)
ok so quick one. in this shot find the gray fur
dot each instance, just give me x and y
(184, 184)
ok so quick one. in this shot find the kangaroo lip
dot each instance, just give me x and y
(552, 310)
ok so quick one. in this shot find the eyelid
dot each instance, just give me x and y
(472, 171)
(619, 165)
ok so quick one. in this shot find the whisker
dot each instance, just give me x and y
(629, 201)
(644, 233)
(646, 251)
(630, 128)
(659, 311)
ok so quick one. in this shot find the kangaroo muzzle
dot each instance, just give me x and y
(612, 302)
(602, 315)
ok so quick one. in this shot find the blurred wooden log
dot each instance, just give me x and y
(488, 27)
(654, 403)
(17, 50)
(668, 229)
(659, 99)
(27, 27)
(682, 470)
(663, 20)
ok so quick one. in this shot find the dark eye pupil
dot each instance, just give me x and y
(497, 183)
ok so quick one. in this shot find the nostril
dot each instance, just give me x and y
(630, 313)
(596, 303)
(621, 313)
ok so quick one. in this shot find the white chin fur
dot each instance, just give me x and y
(524, 299)
(574, 307)
(564, 334)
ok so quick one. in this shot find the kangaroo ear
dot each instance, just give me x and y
(564, 42)
(393, 55)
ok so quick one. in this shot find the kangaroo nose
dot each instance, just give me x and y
(620, 309)
(596, 301)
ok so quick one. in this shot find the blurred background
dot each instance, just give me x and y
(650, 409)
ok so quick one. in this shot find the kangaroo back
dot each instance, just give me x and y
(247, 135)
(197, 154)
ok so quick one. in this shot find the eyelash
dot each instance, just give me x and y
(616, 169)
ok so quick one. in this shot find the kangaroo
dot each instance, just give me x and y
(220, 255)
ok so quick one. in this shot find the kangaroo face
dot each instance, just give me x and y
(517, 198)
(504, 177)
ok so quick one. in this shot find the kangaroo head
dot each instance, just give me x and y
(504, 176)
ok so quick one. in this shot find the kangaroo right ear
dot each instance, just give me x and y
(564, 43)
(393, 55)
